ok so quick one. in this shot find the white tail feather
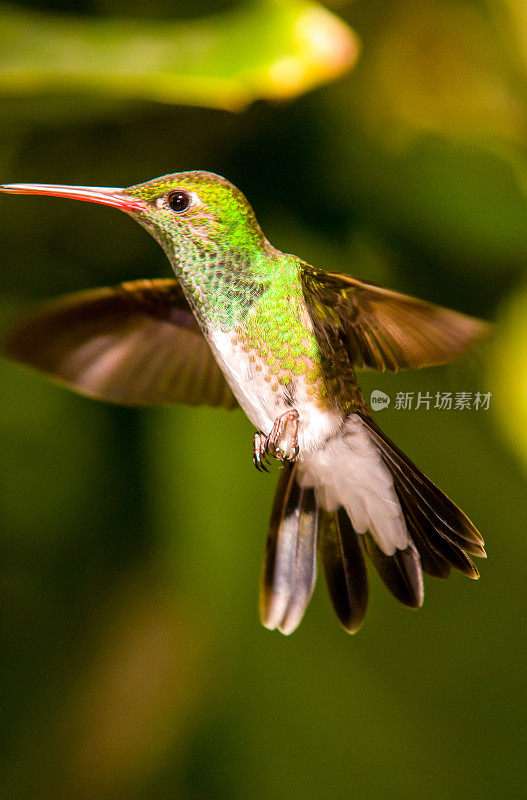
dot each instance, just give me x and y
(349, 471)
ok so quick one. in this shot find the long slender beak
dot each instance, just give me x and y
(92, 194)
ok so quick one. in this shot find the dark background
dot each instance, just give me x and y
(133, 664)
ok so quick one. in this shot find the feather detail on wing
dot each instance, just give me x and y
(383, 329)
(135, 344)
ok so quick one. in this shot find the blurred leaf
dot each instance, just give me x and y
(511, 21)
(508, 374)
(439, 68)
(273, 49)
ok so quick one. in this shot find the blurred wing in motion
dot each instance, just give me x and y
(383, 329)
(135, 344)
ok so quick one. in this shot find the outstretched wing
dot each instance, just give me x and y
(383, 329)
(135, 344)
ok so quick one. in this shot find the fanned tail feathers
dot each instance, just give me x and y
(440, 538)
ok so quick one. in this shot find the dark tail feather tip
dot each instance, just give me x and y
(344, 568)
(401, 572)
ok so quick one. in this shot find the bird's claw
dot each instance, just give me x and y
(260, 459)
(282, 442)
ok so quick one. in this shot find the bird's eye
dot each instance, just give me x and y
(178, 201)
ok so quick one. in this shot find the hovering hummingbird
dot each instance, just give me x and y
(245, 324)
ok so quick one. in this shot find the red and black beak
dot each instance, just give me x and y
(118, 198)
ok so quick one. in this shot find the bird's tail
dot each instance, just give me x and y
(438, 535)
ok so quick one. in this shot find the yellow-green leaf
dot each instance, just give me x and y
(272, 49)
(508, 375)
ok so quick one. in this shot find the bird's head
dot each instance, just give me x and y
(189, 213)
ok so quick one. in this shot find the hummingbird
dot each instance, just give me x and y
(244, 324)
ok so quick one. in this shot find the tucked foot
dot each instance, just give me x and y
(282, 442)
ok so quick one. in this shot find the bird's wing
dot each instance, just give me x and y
(135, 344)
(383, 329)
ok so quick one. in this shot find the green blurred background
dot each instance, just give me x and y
(132, 662)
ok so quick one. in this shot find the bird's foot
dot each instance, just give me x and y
(282, 442)
(260, 459)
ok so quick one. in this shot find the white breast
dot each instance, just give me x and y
(258, 401)
(263, 405)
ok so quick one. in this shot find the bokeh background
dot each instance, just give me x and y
(384, 138)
